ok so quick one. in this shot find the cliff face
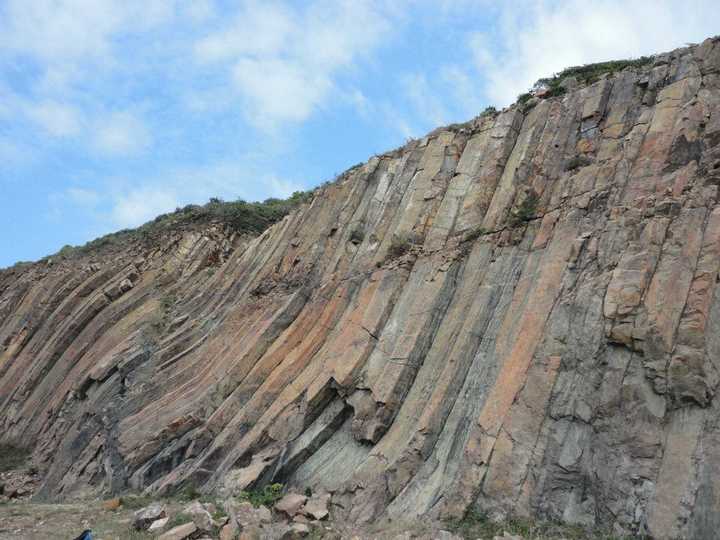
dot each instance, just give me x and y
(520, 314)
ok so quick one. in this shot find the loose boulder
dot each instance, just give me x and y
(291, 504)
(316, 507)
(143, 518)
(181, 532)
(200, 516)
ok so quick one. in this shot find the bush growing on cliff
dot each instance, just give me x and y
(241, 216)
(590, 73)
(401, 243)
(577, 162)
(585, 74)
(266, 496)
(473, 234)
(527, 209)
(522, 99)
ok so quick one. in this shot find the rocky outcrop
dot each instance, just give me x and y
(519, 315)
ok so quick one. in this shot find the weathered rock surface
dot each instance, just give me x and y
(520, 314)
(181, 532)
(18, 485)
(145, 517)
(316, 507)
(158, 524)
(200, 516)
(291, 504)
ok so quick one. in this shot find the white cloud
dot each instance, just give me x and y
(282, 188)
(83, 197)
(55, 30)
(69, 47)
(122, 133)
(428, 103)
(140, 205)
(58, 119)
(259, 29)
(12, 153)
(537, 39)
(464, 89)
(124, 203)
(362, 104)
(279, 90)
(399, 122)
(284, 63)
(199, 10)
(75, 30)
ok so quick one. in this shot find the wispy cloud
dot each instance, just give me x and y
(57, 119)
(142, 204)
(72, 48)
(428, 103)
(87, 198)
(67, 31)
(121, 133)
(119, 202)
(13, 153)
(283, 62)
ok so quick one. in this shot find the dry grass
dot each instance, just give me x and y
(35, 521)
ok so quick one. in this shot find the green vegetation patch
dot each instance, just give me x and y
(526, 211)
(590, 73)
(577, 162)
(241, 216)
(266, 496)
(585, 74)
(12, 457)
(474, 234)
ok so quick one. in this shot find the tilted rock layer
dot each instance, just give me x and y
(520, 315)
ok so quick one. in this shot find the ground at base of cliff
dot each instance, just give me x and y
(271, 513)
(40, 521)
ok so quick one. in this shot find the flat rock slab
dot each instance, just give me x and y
(158, 525)
(316, 507)
(181, 532)
(291, 503)
(144, 517)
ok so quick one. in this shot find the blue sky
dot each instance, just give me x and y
(113, 111)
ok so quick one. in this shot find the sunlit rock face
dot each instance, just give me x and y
(520, 314)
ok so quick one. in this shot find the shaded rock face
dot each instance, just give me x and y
(520, 314)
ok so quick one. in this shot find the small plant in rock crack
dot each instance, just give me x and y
(189, 493)
(401, 243)
(577, 162)
(527, 209)
(473, 234)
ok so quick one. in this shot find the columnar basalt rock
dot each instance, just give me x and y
(519, 314)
